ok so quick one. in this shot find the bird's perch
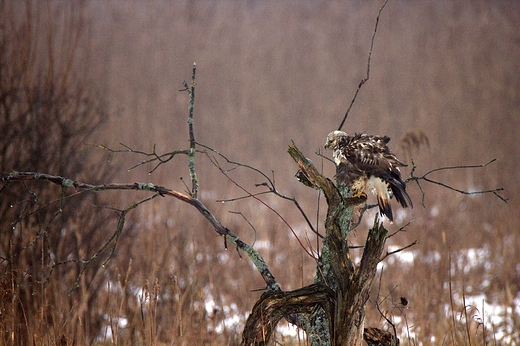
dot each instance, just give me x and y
(309, 172)
(350, 282)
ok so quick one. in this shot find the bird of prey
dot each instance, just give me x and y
(365, 161)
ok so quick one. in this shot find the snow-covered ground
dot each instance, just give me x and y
(498, 319)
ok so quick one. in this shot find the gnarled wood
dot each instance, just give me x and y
(273, 306)
(351, 283)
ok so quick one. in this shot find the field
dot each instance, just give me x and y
(268, 73)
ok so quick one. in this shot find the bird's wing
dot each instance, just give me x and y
(370, 153)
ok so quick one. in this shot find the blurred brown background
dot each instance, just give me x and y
(271, 72)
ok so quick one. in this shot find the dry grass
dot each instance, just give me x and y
(268, 73)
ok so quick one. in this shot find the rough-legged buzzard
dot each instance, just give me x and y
(365, 161)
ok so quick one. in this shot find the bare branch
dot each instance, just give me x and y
(113, 239)
(236, 164)
(309, 252)
(191, 160)
(364, 80)
(415, 242)
(234, 199)
(249, 222)
(253, 255)
(166, 157)
(400, 229)
(153, 156)
(318, 152)
(436, 182)
(362, 212)
(389, 338)
(269, 184)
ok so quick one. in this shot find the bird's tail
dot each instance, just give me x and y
(383, 198)
(384, 207)
(399, 190)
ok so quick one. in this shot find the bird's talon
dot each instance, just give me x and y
(361, 195)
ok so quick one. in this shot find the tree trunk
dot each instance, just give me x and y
(351, 283)
(336, 302)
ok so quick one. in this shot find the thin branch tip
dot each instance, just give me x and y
(367, 77)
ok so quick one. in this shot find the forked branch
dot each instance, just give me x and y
(424, 177)
(269, 183)
(253, 255)
(151, 157)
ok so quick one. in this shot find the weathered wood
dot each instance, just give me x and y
(351, 284)
(273, 306)
(378, 337)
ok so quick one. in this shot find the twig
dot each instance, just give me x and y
(309, 252)
(361, 214)
(234, 199)
(415, 242)
(424, 177)
(192, 151)
(269, 184)
(162, 158)
(318, 152)
(113, 239)
(318, 199)
(364, 80)
(379, 308)
(249, 222)
(400, 229)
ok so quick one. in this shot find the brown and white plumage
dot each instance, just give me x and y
(365, 161)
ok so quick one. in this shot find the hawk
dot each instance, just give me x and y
(365, 161)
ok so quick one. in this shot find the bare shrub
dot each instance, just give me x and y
(47, 113)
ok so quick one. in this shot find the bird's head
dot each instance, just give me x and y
(334, 138)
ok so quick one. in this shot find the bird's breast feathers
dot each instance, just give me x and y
(371, 183)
